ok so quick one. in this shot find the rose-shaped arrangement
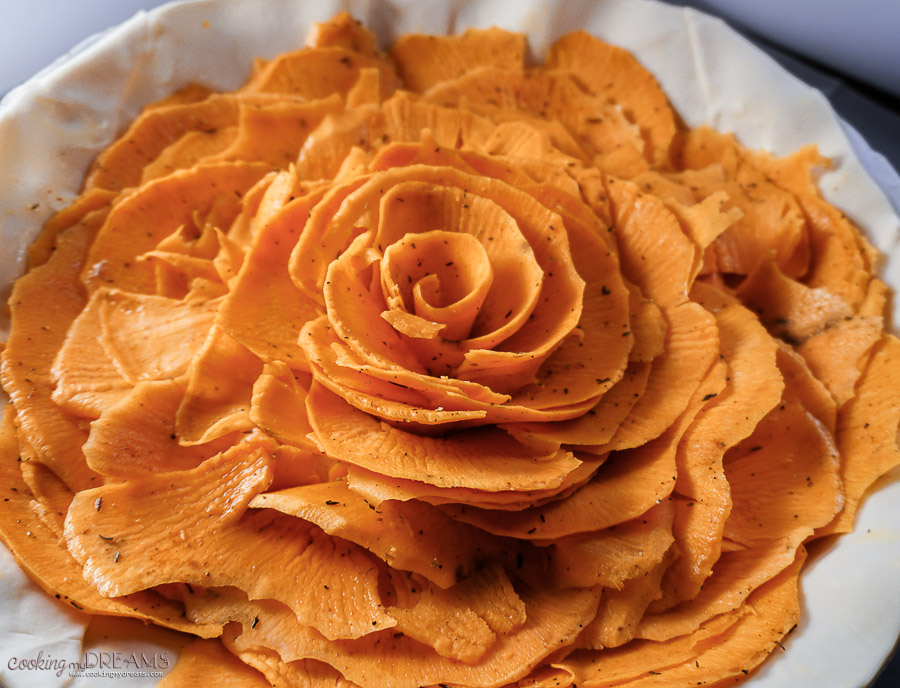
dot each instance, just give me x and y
(427, 368)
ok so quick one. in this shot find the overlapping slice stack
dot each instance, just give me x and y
(428, 368)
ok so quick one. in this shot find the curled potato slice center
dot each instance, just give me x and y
(440, 277)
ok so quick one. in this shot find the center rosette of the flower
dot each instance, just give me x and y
(455, 297)
(435, 284)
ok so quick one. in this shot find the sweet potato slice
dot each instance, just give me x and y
(691, 339)
(613, 496)
(613, 556)
(593, 430)
(207, 661)
(790, 310)
(41, 552)
(138, 222)
(138, 434)
(43, 304)
(215, 543)
(464, 622)
(482, 459)
(264, 310)
(308, 673)
(86, 378)
(726, 648)
(809, 390)
(843, 260)
(153, 337)
(772, 222)
(621, 611)
(396, 661)
(590, 124)
(274, 133)
(783, 484)
(836, 355)
(867, 430)
(316, 73)
(278, 405)
(407, 535)
(219, 390)
(612, 72)
(43, 246)
(120, 166)
(188, 150)
(754, 388)
(377, 488)
(423, 61)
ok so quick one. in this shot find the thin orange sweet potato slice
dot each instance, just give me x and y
(549, 96)
(835, 355)
(790, 310)
(735, 576)
(264, 310)
(598, 504)
(138, 434)
(809, 390)
(546, 677)
(338, 139)
(120, 166)
(539, 148)
(307, 673)
(691, 345)
(51, 496)
(188, 150)
(208, 662)
(316, 73)
(43, 555)
(704, 223)
(343, 31)
(630, 483)
(637, 657)
(278, 405)
(86, 380)
(794, 172)
(783, 484)
(377, 488)
(585, 370)
(390, 395)
(219, 390)
(464, 622)
(138, 222)
(772, 221)
(483, 459)
(274, 133)
(594, 429)
(843, 260)
(217, 544)
(609, 71)
(867, 430)
(153, 337)
(423, 61)
(613, 556)
(691, 339)
(43, 304)
(395, 661)
(407, 118)
(537, 337)
(620, 611)
(711, 657)
(407, 535)
(754, 388)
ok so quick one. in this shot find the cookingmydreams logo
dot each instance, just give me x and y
(96, 664)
